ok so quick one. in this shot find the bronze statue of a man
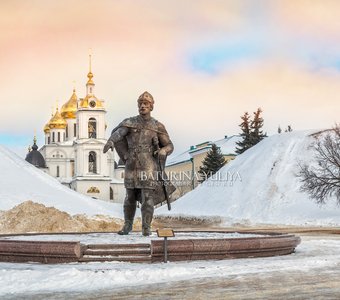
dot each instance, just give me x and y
(143, 144)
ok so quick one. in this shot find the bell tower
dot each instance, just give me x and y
(91, 164)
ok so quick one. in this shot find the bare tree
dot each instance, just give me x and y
(323, 181)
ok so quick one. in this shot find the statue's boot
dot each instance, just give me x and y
(147, 211)
(146, 228)
(147, 214)
(127, 227)
(129, 213)
(146, 231)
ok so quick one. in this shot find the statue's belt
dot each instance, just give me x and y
(144, 128)
(141, 149)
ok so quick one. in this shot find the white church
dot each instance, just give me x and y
(73, 150)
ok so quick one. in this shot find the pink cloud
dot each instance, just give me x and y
(141, 47)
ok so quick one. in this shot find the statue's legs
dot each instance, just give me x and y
(147, 210)
(130, 203)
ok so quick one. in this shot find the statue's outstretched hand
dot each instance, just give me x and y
(108, 145)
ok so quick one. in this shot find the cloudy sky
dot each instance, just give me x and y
(205, 63)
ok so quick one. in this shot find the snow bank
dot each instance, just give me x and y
(260, 186)
(20, 181)
(34, 217)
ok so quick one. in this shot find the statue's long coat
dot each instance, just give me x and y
(137, 148)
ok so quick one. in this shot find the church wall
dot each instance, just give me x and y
(111, 163)
(53, 166)
(55, 133)
(98, 189)
(119, 192)
(70, 129)
(47, 136)
(119, 173)
(56, 155)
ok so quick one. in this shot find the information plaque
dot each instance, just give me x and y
(165, 232)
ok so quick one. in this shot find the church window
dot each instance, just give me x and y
(92, 128)
(111, 193)
(58, 136)
(58, 171)
(92, 162)
(74, 129)
(48, 140)
(53, 137)
(66, 132)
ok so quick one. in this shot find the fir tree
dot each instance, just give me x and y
(256, 134)
(245, 127)
(251, 131)
(212, 162)
(279, 130)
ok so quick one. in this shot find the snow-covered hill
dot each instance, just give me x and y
(260, 186)
(20, 181)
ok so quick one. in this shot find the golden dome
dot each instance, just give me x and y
(47, 126)
(69, 109)
(90, 76)
(88, 100)
(57, 122)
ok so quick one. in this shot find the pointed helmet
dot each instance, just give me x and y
(146, 96)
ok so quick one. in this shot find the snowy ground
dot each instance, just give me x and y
(134, 237)
(302, 275)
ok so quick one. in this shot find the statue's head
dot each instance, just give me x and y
(145, 103)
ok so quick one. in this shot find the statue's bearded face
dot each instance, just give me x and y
(144, 107)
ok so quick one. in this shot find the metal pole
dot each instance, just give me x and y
(165, 249)
(193, 172)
